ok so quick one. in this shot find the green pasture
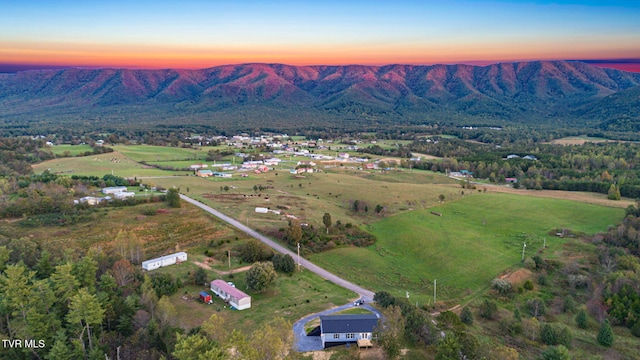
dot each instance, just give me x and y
(161, 153)
(477, 238)
(98, 165)
(70, 150)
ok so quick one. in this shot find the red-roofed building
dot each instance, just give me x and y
(231, 295)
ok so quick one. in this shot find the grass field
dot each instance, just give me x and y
(476, 239)
(70, 150)
(577, 140)
(161, 153)
(98, 165)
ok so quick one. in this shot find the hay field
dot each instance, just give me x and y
(476, 238)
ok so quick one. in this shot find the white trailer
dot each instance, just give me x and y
(164, 261)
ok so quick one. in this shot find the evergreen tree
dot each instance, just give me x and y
(582, 319)
(548, 335)
(466, 316)
(605, 334)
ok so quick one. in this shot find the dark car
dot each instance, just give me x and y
(358, 302)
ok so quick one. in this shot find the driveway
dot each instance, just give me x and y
(304, 343)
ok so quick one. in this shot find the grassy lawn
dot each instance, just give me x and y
(476, 238)
(291, 297)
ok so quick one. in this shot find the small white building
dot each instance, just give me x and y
(164, 261)
(231, 295)
(114, 189)
(262, 210)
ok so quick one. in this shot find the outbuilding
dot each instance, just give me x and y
(205, 297)
(236, 298)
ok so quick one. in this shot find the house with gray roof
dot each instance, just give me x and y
(347, 328)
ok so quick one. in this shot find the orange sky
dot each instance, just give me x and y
(200, 34)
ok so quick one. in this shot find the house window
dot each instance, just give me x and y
(364, 336)
(336, 336)
(351, 336)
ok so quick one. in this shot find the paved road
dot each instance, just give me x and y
(364, 293)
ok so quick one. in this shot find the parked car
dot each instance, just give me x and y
(358, 302)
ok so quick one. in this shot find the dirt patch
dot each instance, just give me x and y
(518, 276)
(204, 266)
(222, 272)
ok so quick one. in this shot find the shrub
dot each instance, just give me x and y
(503, 287)
(488, 309)
(543, 280)
(528, 285)
(568, 304)
(530, 264)
(635, 330)
(536, 307)
(556, 353)
(582, 319)
(466, 316)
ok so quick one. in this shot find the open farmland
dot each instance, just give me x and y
(161, 153)
(476, 239)
(98, 165)
(70, 150)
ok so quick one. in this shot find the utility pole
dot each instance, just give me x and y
(229, 256)
(298, 256)
(434, 291)
(524, 246)
(544, 245)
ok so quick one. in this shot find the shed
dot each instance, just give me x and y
(262, 210)
(205, 297)
(231, 295)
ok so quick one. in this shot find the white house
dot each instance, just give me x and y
(124, 195)
(114, 189)
(347, 328)
(164, 261)
(231, 295)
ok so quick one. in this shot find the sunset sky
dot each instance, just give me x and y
(200, 34)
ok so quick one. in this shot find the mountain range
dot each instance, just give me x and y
(275, 95)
